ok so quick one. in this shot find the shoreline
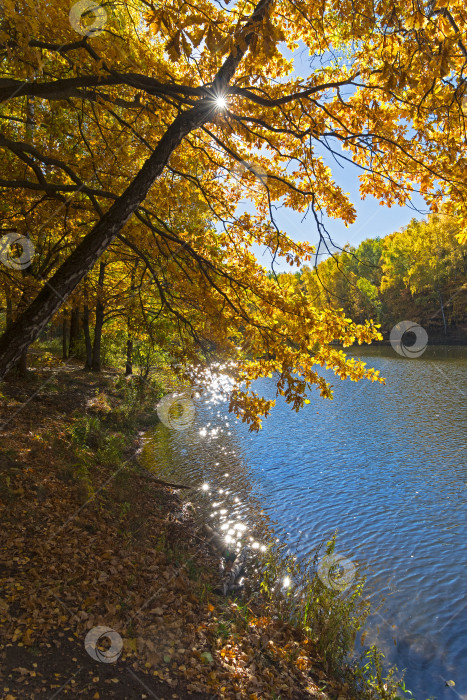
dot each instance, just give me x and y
(105, 546)
(95, 539)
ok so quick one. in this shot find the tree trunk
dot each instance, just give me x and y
(9, 308)
(87, 338)
(22, 366)
(129, 356)
(96, 350)
(64, 339)
(129, 342)
(442, 312)
(28, 326)
(74, 331)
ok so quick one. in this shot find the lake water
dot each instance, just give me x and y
(385, 466)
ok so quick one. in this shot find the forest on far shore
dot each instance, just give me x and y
(418, 273)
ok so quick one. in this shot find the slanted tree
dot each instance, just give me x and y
(165, 99)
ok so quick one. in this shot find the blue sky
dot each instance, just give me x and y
(373, 219)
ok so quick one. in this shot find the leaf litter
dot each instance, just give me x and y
(112, 547)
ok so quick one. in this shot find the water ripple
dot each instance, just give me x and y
(386, 466)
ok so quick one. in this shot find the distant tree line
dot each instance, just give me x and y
(418, 273)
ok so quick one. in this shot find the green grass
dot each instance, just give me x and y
(330, 618)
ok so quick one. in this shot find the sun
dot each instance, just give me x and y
(221, 102)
